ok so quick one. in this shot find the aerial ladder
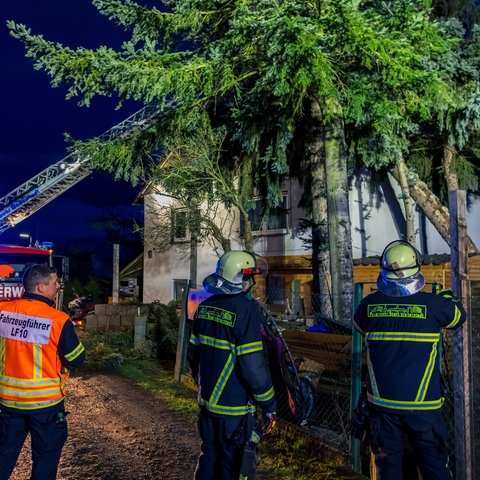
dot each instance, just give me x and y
(41, 189)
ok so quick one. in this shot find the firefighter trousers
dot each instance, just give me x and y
(427, 435)
(221, 450)
(48, 431)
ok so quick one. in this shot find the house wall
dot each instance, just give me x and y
(377, 218)
(161, 268)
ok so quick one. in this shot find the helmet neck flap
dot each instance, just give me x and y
(400, 287)
(216, 285)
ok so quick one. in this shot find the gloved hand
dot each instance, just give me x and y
(360, 417)
(268, 421)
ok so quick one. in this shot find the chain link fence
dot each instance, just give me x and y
(475, 391)
(311, 365)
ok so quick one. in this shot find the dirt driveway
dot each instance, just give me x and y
(120, 432)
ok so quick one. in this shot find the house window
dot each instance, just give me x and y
(179, 288)
(276, 219)
(179, 225)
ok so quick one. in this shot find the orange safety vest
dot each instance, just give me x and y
(31, 374)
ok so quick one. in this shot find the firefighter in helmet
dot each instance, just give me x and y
(226, 358)
(403, 329)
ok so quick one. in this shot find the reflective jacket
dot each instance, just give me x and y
(38, 346)
(403, 336)
(226, 354)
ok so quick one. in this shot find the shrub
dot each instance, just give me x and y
(165, 320)
(109, 350)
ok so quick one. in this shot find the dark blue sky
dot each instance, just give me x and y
(35, 116)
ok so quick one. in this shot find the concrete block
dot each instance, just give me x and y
(103, 322)
(114, 324)
(126, 320)
(114, 309)
(91, 325)
(100, 309)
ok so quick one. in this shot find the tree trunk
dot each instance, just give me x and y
(431, 206)
(339, 228)
(450, 177)
(401, 170)
(321, 295)
(247, 231)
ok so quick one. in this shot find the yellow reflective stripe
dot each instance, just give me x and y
(194, 339)
(405, 405)
(216, 343)
(268, 395)
(50, 390)
(250, 348)
(75, 352)
(28, 382)
(227, 410)
(30, 405)
(403, 336)
(37, 352)
(456, 318)
(427, 375)
(223, 378)
(227, 371)
(2, 355)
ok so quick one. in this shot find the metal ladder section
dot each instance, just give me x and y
(41, 189)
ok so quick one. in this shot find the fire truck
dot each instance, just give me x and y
(14, 260)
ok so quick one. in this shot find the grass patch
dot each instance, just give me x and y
(289, 454)
(158, 380)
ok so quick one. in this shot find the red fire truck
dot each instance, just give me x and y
(14, 260)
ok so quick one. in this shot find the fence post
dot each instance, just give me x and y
(182, 332)
(462, 339)
(356, 380)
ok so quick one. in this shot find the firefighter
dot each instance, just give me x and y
(226, 358)
(403, 329)
(38, 346)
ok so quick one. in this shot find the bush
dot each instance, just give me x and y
(109, 350)
(165, 320)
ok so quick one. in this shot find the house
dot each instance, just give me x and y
(376, 218)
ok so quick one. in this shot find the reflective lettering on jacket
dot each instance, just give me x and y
(25, 328)
(31, 374)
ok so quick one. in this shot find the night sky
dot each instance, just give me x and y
(35, 116)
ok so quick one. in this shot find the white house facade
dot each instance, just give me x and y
(377, 218)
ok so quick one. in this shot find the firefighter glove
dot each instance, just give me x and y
(268, 421)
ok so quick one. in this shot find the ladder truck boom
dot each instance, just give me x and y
(44, 187)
